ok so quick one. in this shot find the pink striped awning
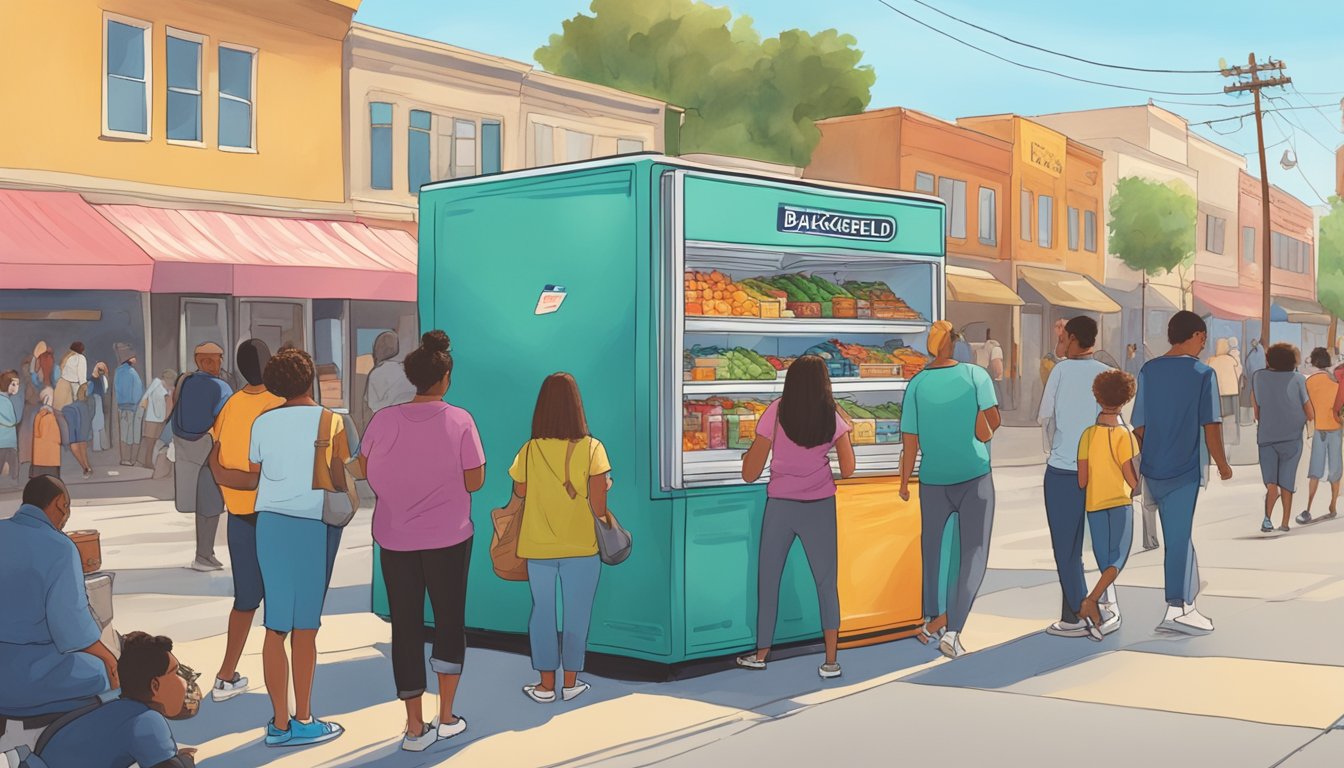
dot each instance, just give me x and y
(56, 241)
(268, 256)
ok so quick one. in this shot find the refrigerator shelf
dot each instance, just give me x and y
(777, 386)
(704, 468)
(796, 327)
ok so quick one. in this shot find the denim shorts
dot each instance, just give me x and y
(1327, 459)
(1279, 462)
(248, 589)
(292, 552)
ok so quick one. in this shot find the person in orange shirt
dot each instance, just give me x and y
(46, 439)
(232, 434)
(1327, 458)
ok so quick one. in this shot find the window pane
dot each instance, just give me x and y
(464, 148)
(924, 182)
(628, 146)
(464, 129)
(420, 119)
(417, 159)
(126, 105)
(989, 225)
(380, 157)
(1248, 244)
(578, 146)
(1073, 229)
(184, 64)
(544, 137)
(490, 147)
(1045, 222)
(125, 50)
(1090, 230)
(184, 116)
(1026, 216)
(235, 123)
(235, 73)
(380, 113)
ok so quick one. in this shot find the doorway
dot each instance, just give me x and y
(1033, 328)
(204, 320)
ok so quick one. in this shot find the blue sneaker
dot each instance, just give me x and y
(315, 732)
(276, 737)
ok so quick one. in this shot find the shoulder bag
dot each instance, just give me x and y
(613, 541)
(508, 522)
(340, 500)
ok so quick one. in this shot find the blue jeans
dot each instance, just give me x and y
(248, 590)
(1066, 516)
(578, 587)
(1327, 462)
(1176, 509)
(1112, 536)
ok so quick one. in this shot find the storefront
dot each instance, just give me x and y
(1051, 296)
(1301, 322)
(983, 309)
(614, 279)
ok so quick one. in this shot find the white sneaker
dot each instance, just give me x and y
(950, 645)
(420, 743)
(1067, 629)
(538, 695)
(1169, 621)
(225, 690)
(1110, 619)
(1193, 622)
(829, 671)
(451, 729)
(570, 694)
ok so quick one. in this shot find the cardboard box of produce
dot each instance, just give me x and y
(741, 430)
(694, 441)
(844, 307)
(888, 431)
(771, 309)
(692, 422)
(863, 432)
(879, 371)
(805, 308)
(863, 309)
(718, 431)
(703, 373)
(710, 362)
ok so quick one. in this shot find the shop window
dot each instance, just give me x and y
(629, 146)
(924, 182)
(989, 217)
(277, 323)
(464, 148)
(491, 147)
(237, 113)
(126, 68)
(953, 193)
(380, 145)
(543, 138)
(1045, 221)
(1215, 230)
(1025, 222)
(578, 146)
(1090, 231)
(184, 86)
(329, 351)
(1073, 228)
(417, 149)
(1248, 244)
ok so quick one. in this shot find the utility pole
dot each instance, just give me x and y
(1254, 85)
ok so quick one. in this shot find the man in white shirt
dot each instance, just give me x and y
(1071, 407)
(387, 384)
(154, 407)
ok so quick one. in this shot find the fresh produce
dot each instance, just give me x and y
(776, 362)
(715, 294)
(887, 411)
(854, 410)
(746, 365)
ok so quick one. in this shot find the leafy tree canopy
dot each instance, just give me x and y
(1330, 266)
(743, 95)
(1152, 225)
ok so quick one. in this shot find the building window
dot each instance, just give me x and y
(1045, 221)
(1073, 228)
(380, 145)
(924, 182)
(629, 146)
(1215, 233)
(491, 147)
(126, 68)
(464, 148)
(953, 193)
(578, 146)
(237, 115)
(1025, 222)
(989, 217)
(1090, 231)
(543, 137)
(1248, 244)
(184, 86)
(418, 140)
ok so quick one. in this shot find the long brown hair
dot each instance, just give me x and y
(807, 408)
(559, 411)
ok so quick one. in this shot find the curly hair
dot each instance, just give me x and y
(1113, 388)
(1320, 358)
(6, 378)
(1281, 357)
(144, 657)
(289, 373)
(428, 363)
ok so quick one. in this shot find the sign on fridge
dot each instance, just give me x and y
(851, 226)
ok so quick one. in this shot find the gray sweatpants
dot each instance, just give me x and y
(973, 501)
(814, 523)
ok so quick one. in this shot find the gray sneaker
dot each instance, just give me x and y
(950, 646)
(1067, 629)
(204, 566)
(829, 671)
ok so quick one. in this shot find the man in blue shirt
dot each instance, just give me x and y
(1067, 408)
(129, 388)
(1177, 423)
(51, 658)
(197, 400)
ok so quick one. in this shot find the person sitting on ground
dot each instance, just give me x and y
(1107, 474)
(1326, 459)
(1282, 412)
(131, 730)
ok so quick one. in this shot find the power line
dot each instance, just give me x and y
(1041, 69)
(1298, 126)
(1332, 125)
(1066, 55)
(1296, 156)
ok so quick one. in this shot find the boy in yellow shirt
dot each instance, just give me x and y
(1107, 472)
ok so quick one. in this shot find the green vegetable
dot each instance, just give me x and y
(830, 289)
(855, 410)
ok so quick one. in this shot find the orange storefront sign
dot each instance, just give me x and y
(1041, 148)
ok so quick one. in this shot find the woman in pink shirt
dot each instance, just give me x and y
(424, 459)
(797, 432)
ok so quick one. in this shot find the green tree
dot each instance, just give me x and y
(1330, 265)
(1152, 229)
(743, 95)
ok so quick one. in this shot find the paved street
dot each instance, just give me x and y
(1276, 601)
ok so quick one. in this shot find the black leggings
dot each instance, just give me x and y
(407, 575)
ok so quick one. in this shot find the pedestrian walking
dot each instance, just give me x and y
(1071, 407)
(1178, 429)
(424, 459)
(949, 414)
(46, 439)
(232, 435)
(11, 415)
(387, 383)
(1282, 411)
(562, 474)
(79, 418)
(994, 366)
(1107, 473)
(1228, 369)
(128, 388)
(796, 434)
(153, 413)
(293, 542)
(73, 373)
(1327, 457)
(197, 400)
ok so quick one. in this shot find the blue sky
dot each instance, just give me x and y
(920, 69)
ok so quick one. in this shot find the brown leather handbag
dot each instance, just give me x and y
(340, 498)
(508, 523)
